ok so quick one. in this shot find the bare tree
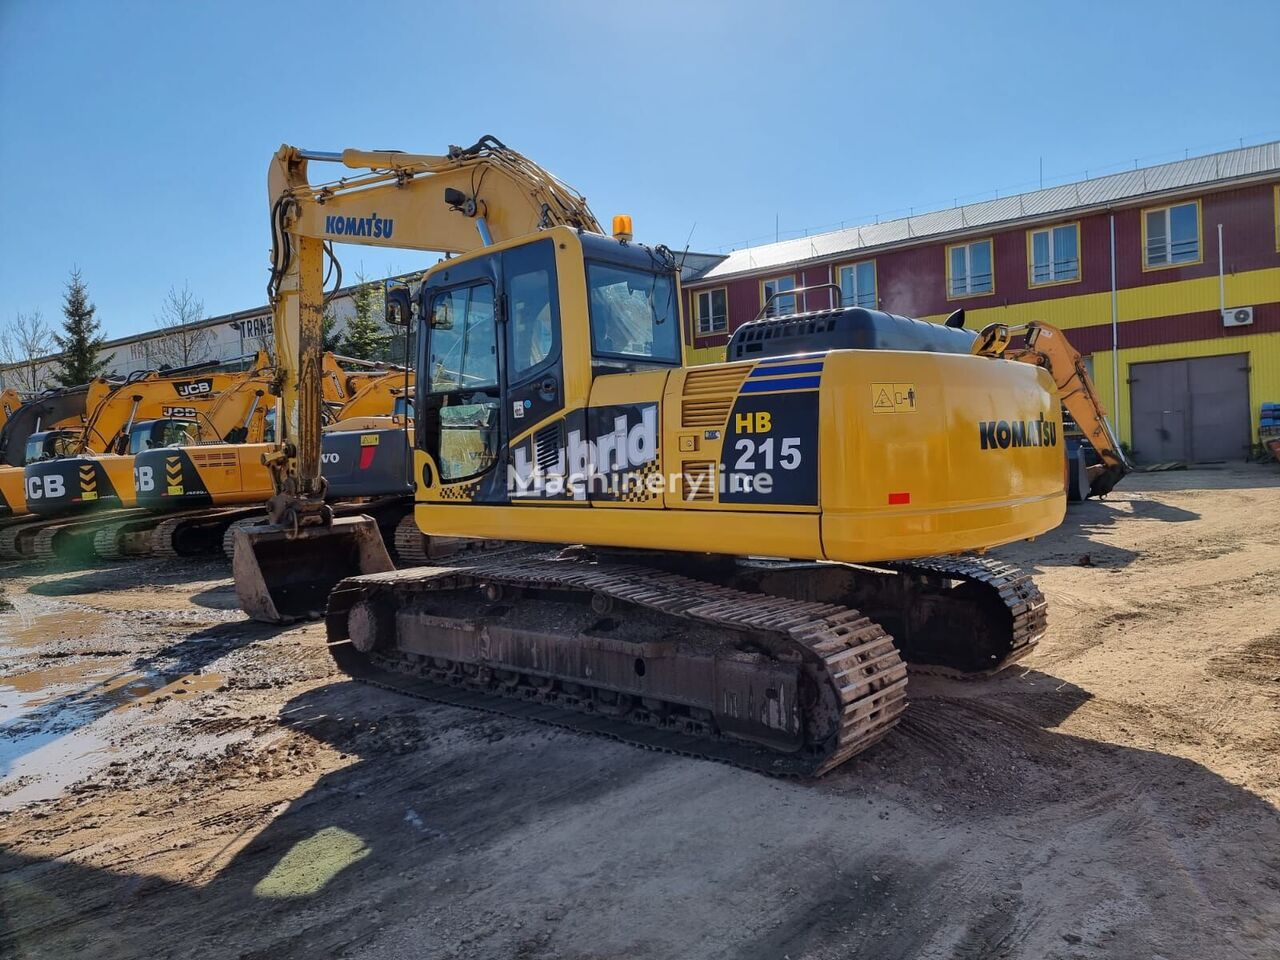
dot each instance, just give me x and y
(24, 342)
(183, 341)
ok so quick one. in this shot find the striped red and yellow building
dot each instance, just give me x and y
(1128, 264)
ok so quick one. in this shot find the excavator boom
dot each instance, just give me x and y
(450, 203)
(1046, 346)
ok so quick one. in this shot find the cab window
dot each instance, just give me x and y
(633, 314)
(463, 371)
(463, 344)
(533, 326)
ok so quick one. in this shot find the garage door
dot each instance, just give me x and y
(1195, 409)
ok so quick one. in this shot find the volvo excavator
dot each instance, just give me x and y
(730, 561)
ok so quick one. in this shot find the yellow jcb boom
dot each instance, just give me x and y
(552, 407)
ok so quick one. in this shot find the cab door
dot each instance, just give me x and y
(538, 424)
(460, 423)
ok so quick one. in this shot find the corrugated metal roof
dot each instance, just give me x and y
(1113, 188)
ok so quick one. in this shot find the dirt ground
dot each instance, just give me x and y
(179, 782)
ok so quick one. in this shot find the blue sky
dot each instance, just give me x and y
(135, 136)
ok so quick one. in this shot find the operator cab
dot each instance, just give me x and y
(499, 349)
(150, 434)
(48, 444)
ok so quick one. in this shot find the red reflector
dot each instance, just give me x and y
(899, 498)
(366, 457)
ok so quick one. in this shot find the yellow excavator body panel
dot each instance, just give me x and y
(867, 456)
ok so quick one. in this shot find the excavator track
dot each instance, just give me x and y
(653, 658)
(410, 544)
(1007, 587)
(43, 539)
(413, 548)
(169, 538)
(962, 616)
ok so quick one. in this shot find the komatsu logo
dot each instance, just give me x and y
(370, 226)
(1003, 434)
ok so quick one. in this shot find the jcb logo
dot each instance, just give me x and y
(178, 411)
(329, 458)
(758, 422)
(194, 388)
(48, 488)
(144, 479)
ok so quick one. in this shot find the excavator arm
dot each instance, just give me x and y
(450, 203)
(1046, 346)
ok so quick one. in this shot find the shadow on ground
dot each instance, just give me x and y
(107, 576)
(974, 830)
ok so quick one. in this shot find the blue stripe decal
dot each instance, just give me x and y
(763, 371)
(781, 383)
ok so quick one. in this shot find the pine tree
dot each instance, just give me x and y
(81, 338)
(366, 337)
(329, 337)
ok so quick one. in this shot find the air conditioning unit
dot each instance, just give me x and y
(1237, 316)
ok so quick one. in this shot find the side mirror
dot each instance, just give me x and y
(399, 306)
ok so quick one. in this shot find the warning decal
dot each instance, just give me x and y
(893, 398)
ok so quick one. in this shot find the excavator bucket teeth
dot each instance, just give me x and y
(283, 575)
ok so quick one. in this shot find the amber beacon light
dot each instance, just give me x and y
(622, 227)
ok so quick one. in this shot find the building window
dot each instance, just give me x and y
(711, 307)
(969, 269)
(1055, 254)
(858, 284)
(1171, 235)
(781, 306)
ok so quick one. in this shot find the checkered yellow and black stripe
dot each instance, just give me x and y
(460, 491)
(634, 487)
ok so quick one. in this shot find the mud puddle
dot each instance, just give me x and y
(61, 724)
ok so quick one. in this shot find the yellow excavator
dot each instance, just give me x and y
(39, 426)
(208, 489)
(71, 475)
(728, 561)
(84, 493)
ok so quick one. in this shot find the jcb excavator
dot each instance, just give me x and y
(135, 413)
(84, 499)
(755, 545)
(219, 485)
(46, 426)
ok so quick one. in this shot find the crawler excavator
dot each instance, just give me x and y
(68, 481)
(43, 427)
(207, 489)
(87, 498)
(730, 561)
